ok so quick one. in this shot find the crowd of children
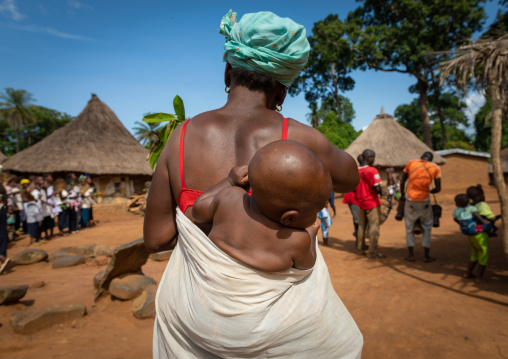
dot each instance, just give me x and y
(34, 203)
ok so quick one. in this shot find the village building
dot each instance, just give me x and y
(96, 143)
(466, 168)
(504, 167)
(393, 144)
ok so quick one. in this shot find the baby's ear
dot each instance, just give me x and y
(288, 217)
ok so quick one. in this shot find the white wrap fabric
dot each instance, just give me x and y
(209, 305)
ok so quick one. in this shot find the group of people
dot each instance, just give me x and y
(365, 204)
(30, 205)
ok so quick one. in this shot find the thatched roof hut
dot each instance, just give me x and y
(3, 157)
(96, 142)
(394, 144)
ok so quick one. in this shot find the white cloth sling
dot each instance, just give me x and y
(209, 305)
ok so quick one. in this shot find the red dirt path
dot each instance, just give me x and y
(404, 310)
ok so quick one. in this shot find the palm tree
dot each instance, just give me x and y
(147, 133)
(485, 62)
(15, 108)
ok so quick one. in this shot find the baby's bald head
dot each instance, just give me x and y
(284, 176)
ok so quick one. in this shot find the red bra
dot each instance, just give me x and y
(188, 196)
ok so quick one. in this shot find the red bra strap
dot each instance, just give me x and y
(284, 128)
(182, 135)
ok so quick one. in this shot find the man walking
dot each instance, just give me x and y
(367, 197)
(420, 174)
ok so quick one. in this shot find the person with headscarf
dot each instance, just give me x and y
(209, 304)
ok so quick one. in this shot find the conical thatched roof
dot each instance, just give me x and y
(2, 157)
(95, 142)
(394, 145)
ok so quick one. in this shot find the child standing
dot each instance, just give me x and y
(465, 215)
(11, 224)
(326, 222)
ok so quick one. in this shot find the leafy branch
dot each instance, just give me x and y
(166, 131)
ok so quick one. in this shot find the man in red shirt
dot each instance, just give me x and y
(368, 200)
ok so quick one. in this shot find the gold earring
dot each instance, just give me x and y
(278, 108)
(226, 89)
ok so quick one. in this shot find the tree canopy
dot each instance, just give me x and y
(399, 35)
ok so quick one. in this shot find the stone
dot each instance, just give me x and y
(127, 258)
(161, 256)
(101, 260)
(31, 321)
(68, 261)
(144, 306)
(129, 286)
(37, 284)
(98, 278)
(71, 249)
(12, 293)
(102, 250)
(86, 249)
(57, 254)
(30, 256)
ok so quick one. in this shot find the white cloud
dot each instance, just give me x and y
(9, 9)
(49, 31)
(75, 4)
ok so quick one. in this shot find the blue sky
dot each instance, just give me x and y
(137, 55)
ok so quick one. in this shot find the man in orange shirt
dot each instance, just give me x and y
(420, 174)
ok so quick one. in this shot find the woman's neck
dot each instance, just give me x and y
(244, 98)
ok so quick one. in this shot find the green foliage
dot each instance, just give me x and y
(44, 121)
(147, 133)
(483, 129)
(316, 117)
(409, 116)
(339, 133)
(331, 60)
(165, 130)
(400, 35)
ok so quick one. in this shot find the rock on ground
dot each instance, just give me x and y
(68, 261)
(129, 286)
(31, 321)
(98, 278)
(102, 250)
(37, 284)
(30, 256)
(12, 293)
(85, 249)
(57, 254)
(161, 256)
(144, 305)
(127, 258)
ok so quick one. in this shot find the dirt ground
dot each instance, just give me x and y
(404, 310)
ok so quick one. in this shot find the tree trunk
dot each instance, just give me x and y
(336, 92)
(427, 135)
(495, 153)
(437, 94)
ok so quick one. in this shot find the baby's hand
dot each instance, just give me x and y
(238, 176)
(313, 230)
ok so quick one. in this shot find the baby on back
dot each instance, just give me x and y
(275, 228)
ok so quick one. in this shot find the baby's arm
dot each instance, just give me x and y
(205, 206)
(304, 256)
(479, 218)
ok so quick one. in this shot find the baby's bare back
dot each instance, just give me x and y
(241, 231)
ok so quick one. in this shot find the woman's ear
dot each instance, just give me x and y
(227, 74)
(289, 217)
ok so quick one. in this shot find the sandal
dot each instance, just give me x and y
(410, 259)
(428, 259)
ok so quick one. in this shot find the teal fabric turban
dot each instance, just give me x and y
(265, 43)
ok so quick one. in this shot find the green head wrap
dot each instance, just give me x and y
(265, 43)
